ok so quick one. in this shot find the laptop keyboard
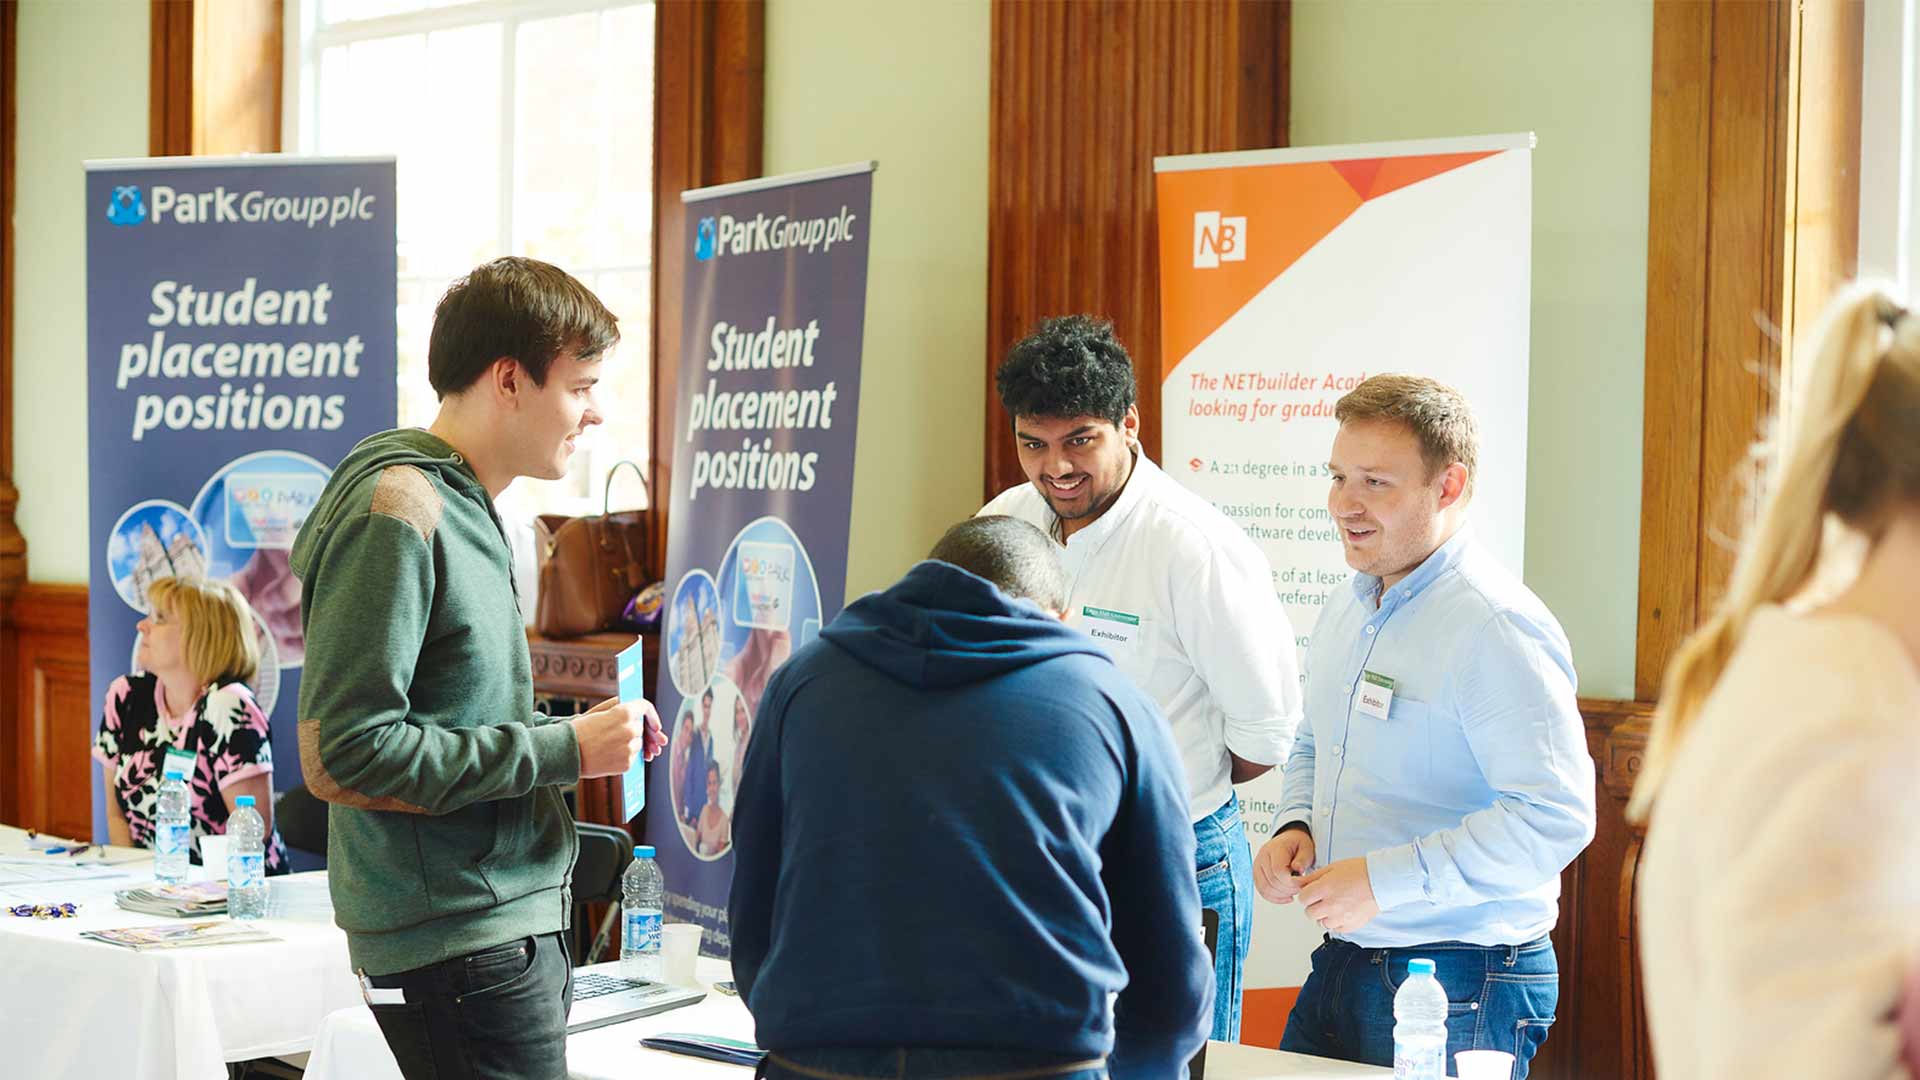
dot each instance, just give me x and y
(590, 986)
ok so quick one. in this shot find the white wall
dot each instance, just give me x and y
(904, 84)
(82, 94)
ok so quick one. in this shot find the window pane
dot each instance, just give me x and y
(454, 163)
(333, 11)
(627, 381)
(557, 125)
(418, 404)
(627, 206)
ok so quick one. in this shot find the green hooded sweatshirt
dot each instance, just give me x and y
(446, 833)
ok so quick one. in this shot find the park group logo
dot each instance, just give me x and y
(126, 207)
(1218, 239)
(703, 240)
(724, 234)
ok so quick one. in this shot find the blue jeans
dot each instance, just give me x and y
(1223, 864)
(1499, 998)
(908, 1063)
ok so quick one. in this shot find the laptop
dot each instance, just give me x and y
(602, 997)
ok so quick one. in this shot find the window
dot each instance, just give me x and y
(521, 128)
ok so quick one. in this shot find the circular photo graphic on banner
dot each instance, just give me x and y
(250, 510)
(772, 604)
(265, 683)
(153, 539)
(693, 632)
(704, 753)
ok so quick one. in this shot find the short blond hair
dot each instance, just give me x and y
(1437, 414)
(216, 624)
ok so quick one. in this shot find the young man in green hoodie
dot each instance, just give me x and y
(449, 846)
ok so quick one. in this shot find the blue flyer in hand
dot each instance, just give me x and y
(632, 670)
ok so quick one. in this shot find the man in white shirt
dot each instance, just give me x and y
(1176, 592)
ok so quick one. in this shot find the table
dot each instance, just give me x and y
(83, 1008)
(350, 1047)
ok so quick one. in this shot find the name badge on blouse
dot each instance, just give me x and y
(1375, 695)
(1117, 630)
(178, 759)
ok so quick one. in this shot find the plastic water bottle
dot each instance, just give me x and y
(246, 861)
(642, 894)
(1420, 1025)
(172, 829)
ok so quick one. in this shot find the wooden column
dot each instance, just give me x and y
(709, 94)
(215, 77)
(1084, 97)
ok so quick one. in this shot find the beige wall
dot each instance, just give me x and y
(904, 84)
(1579, 74)
(83, 94)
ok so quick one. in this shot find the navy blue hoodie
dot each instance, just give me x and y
(958, 825)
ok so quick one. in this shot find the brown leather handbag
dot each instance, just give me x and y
(590, 566)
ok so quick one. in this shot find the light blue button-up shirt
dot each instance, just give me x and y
(1477, 790)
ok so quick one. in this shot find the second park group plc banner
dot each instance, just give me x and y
(1287, 277)
(769, 390)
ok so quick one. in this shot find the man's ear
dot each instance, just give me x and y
(1130, 425)
(507, 379)
(1453, 485)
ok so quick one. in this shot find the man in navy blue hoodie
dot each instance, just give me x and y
(959, 831)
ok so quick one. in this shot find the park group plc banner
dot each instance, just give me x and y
(769, 389)
(1286, 278)
(240, 340)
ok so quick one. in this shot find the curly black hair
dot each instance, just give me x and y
(1070, 366)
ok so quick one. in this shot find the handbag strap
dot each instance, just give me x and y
(606, 497)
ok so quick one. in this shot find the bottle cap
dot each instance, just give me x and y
(644, 851)
(244, 800)
(1419, 967)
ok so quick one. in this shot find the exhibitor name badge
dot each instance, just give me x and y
(1375, 695)
(1109, 627)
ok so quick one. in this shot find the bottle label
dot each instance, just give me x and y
(244, 871)
(170, 839)
(642, 932)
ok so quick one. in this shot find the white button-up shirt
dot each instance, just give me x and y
(1184, 602)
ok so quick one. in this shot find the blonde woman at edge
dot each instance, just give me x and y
(1780, 886)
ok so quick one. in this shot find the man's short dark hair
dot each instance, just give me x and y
(1012, 554)
(1070, 366)
(522, 308)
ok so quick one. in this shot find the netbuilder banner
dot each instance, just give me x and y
(240, 339)
(762, 490)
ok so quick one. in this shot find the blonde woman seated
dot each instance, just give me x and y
(198, 652)
(1781, 878)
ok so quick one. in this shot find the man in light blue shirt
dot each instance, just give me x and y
(1441, 781)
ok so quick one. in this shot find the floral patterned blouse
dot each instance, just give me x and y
(225, 730)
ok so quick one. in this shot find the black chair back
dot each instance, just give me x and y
(605, 853)
(301, 820)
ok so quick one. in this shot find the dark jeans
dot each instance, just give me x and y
(1499, 998)
(906, 1063)
(497, 1013)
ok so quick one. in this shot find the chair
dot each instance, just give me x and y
(605, 853)
(301, 820)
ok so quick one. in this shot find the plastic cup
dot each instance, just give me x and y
(679, 948)
(1483, 1065)
(213, 859)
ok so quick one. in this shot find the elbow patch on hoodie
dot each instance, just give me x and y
(327, 789)
(406, 493)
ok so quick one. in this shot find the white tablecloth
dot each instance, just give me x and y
(350, 1047)
(85, 1009)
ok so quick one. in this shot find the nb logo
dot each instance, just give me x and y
(126, 207)
(703, 240)
(1218, 239)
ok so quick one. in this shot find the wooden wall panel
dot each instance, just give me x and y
(45, 764)
(709, 91)
(1083, 98)
(214, 77)
(1753, 222)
